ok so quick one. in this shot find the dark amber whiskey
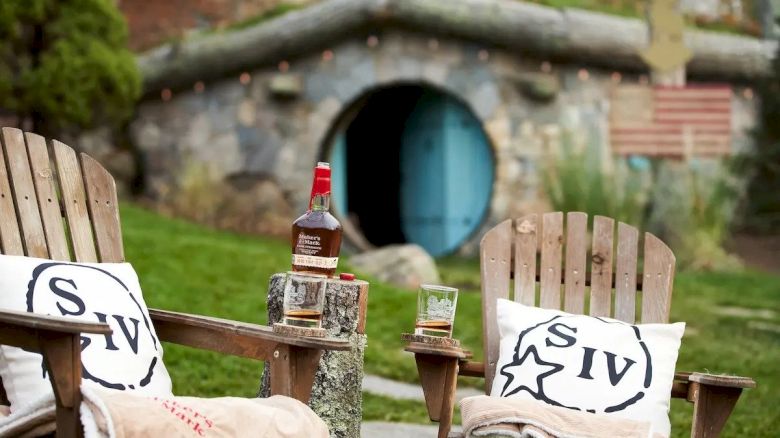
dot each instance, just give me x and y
(316, 235)
(303, 318)
(436, 327)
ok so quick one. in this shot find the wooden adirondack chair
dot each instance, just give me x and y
(509, 251)
(48, 207)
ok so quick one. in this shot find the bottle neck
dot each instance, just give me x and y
(320, 202)
(320, 188)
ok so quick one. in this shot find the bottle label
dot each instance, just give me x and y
(315, 261)
(308, 244)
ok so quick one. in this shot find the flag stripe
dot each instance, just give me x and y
(692, 109)
(671, 129)
(671, 121)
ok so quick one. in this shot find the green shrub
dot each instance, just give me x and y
(761, 212)
(579, 181)
(689, 205)
(64, 63)
(692, 208)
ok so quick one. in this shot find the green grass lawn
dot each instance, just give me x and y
(189, 268)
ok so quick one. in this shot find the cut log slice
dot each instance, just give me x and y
(431, 340)
(291, 330)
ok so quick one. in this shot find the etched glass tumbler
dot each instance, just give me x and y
(304, 299)
(435, 310)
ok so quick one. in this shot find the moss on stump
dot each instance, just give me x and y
(337, 394)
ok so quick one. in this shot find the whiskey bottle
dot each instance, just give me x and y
(316, 236)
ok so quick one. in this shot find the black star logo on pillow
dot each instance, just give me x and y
(536, 366)
(530, 365)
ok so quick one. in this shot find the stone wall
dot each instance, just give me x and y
(272, 124)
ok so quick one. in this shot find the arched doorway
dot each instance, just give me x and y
(411, 164)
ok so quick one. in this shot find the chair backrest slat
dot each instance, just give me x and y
(552, 250)
(519, 243)
(75, 201)
(576, 255)
(658, 279)
(48, 203)
(625, 273)
(31, 216)
(27, 211)
(495, 259)
(101, 194)
(33, 202)
(10, 237)
(601, 267)
(526, 242)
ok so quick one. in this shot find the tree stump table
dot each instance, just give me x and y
(337, 393)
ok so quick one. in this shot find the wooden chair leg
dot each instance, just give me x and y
(62, 355)
(448, 398)
(292, 371)
(439, 379)
(712, 407)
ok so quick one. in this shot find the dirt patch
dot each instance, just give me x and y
(758, 252)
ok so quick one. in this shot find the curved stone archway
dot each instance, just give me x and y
(411, 146)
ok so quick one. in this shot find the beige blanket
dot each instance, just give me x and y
(121, 415)
(509, 417)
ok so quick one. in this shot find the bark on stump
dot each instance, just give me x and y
(337, 394)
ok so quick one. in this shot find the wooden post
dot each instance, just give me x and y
(337, 393)
(667, 54)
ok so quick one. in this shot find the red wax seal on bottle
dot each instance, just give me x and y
(321, 183)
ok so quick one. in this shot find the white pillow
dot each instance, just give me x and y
(131, 359)
(586, 363)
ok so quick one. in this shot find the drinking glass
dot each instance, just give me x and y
(304, 299)
(435, 310)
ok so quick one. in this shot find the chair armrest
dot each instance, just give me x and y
(714, 398)
(684, 387)
(417, 346)
(430, 350)
(722, 381)
(471, 369)
(232, 337)
(465, 367)
(437, 366)
(58, 341)
(22, 329)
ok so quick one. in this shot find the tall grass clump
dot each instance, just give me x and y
(579, 181)
(692, 209)
(688, 204)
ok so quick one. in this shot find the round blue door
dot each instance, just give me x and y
(446, 174)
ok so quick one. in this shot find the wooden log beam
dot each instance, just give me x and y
(180, 64)
(568, 35)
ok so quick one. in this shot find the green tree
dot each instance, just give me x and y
(762, 209)
(65, 64)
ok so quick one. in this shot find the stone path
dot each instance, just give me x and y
(381, 429)
(406, 391)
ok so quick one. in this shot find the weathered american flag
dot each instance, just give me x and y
(671, 121)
